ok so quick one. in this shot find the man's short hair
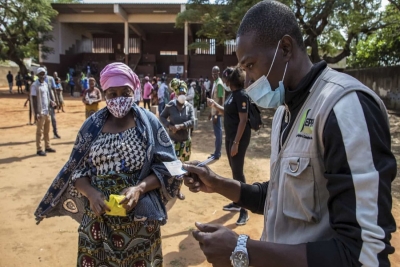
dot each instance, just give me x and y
(270, 21)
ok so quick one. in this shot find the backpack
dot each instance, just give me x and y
(255, 120)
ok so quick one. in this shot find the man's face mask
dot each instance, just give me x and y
(261, 92)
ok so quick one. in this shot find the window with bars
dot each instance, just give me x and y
(134, 46)
(168, 53)
(102, 45)
(230, 47)
(208, 49)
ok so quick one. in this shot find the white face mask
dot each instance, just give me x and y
(261, 92)
(227, 88)
(182, 99)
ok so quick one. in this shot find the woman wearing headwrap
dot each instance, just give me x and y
(119, 150)
(178, 118)
(91, 98)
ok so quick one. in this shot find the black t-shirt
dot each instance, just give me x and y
(237, 102)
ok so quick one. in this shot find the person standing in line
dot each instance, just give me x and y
(161, 96)
(147, 89)
(19, 79)
(59, 94)
(52, 85)
(70, 80)
(10, 80)
(28, 82)
(191, 93)
(217, 94)
(154, 92)
(207, 85)
(42, 101)
(237, 129)
(178, 118)
(91, 98)
(137, 94)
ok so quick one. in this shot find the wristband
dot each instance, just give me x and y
(236, 143)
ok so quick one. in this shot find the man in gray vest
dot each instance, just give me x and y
(328, 200)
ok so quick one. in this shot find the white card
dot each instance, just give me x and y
(175, 167)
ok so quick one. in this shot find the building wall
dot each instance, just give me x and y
(201, 65)
(384, 81)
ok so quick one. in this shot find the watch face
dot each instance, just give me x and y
(240, 259)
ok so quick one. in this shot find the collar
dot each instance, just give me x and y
(296, 97)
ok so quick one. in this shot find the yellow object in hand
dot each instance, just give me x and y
(116, 209)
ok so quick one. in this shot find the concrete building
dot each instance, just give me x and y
(140, 33)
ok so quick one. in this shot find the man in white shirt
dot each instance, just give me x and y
(207, 85)
(191, 93)
(40, 97)
(160, 94)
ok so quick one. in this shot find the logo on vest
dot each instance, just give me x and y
(306, 126)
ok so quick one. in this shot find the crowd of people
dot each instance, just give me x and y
(327, 202)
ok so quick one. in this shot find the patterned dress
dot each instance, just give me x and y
(113, 163)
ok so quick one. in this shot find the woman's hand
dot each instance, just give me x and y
(132, 195)
(234, 149)
(172, 128)
(97, 204)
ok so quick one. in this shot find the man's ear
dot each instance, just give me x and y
(287, 45)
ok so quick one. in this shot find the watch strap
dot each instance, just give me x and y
(242, 242)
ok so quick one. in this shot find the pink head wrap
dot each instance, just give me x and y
(118, 74)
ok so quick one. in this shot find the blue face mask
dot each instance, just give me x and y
(261, 92)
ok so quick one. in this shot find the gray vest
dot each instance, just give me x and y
(296, 208)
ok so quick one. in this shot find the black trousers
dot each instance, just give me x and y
(237, 162)
(146, 101)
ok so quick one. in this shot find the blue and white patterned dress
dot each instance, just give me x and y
(113, 163)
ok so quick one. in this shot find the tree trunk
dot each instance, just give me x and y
(20, 63)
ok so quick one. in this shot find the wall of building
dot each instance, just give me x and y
(384, 81)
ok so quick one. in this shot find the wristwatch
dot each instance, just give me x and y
(240, 257)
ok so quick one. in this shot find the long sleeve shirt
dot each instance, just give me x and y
(171, 115)
(190, 95)
(346, 218)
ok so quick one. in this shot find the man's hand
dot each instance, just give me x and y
(132, 195)
(217, 243)
(215, 119)
(199, 179)
(97, 204)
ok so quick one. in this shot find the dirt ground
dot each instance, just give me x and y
(25, 177)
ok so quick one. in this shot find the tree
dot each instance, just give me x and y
(381, 48)
(24, 26)
(395, 3)
(330, 27)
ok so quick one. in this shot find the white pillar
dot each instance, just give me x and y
(186, 38)
(126, 42)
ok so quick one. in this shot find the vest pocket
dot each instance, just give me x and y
(298, 190)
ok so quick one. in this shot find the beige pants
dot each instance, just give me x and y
(43, 128)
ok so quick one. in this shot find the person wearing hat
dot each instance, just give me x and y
(178, 118)
(41, 101)
(147, 89)
(118, 156)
